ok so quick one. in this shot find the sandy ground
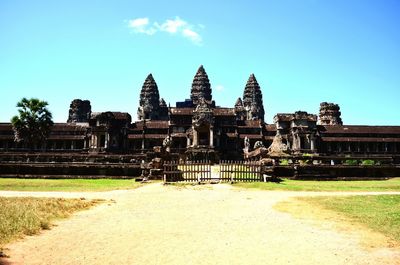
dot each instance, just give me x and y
(209, 224)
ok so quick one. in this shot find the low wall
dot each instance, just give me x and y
(69, 157)
(337, 172)
(69, 170)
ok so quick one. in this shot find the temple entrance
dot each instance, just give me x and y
(102, 140)
(206, 171)
(204, 138)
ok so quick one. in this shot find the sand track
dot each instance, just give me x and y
(210, 224)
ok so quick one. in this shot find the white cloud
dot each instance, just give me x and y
(219, 87)
(173, 26)
(193, 36)
(176, 26)
(140, 25)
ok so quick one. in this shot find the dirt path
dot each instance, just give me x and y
(211, 224)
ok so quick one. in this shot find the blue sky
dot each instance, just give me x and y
(302, 52)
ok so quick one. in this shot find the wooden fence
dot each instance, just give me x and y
(203, 171)
(189, 171)
(249, 171)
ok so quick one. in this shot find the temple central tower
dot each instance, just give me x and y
(201, 87)
(252, 99)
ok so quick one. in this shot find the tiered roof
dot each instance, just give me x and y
(201, 87)
(252, 99)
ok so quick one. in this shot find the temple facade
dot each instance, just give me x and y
(197, 128)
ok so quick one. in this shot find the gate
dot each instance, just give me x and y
(244, 171)
(190, 171)
(203, 171)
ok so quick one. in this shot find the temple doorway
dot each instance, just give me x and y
(204, 138)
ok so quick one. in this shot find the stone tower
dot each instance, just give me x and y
(79, 111)
(201, 87)
(252, 100)
(329, 114)
(239, 110)
(149, 103)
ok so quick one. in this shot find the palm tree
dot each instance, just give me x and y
(33, 124)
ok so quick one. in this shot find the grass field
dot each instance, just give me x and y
(380, 213)
(66, 184)
(301, 185)
(27, 216)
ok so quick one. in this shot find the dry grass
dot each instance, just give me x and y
(376, 219)
(27, 216)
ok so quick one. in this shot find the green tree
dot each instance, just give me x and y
(33, 124)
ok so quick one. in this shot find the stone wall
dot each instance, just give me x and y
(337, 172)
(68, 170)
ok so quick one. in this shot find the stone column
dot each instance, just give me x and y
(106, 138)
(211, 136)
(298, 142)
(187, 141)
(312, 142)
(72, 144)
(195, 138)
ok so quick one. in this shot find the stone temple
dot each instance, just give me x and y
(197, 128)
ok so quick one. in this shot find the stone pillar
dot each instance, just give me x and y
(187, 141)
(312, 142)
(211, 136)
(106, 139)
(72, 144)
(298, 142)
(195, 138)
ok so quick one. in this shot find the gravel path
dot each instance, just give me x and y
(209, 224)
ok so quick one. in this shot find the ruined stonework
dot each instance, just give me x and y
(203, 114)
(201, 87)
(239, 110)
(252, 100)
(149, 103)
(296, 130)
(278, 147)
(329, 114)
(79, 111)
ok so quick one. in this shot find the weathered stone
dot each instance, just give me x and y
(252, 99)
(278, 148)
(239, 110)
(162, 103)
(329, 114)
(79, 111)
(201, 87)
(149, 103)
(167, 142)
(203, 114)
(258, 144)
(246, 144)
